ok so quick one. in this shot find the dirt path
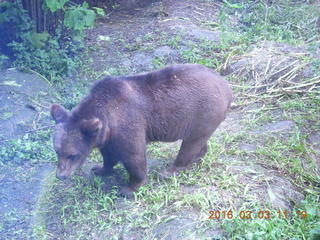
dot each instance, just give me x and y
(131, 40)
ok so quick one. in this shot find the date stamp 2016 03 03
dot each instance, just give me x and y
(262, 214)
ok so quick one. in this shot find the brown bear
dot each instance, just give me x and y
(122, 114)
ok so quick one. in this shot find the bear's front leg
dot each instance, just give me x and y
(108, 163)
(137, 169)
(129, 147)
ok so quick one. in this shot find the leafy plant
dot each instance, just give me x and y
(78, 18)
(51, 54)
(13, 22)
(55, 5)
(30, 147)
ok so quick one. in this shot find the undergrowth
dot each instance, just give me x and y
(30, 148)
(281, 21)
(52, 53)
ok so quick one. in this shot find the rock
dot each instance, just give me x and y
(23, 96)
(266, 185)
(142, 60)
(276, 127)
(184, 226)
(236, 67)
(177, 228)
(165, 51)
(307, 72)
(282, 193)
(314, 139)
(248, 147)
(203, 34)
(131, 4)
(20, 191)
(127, 63)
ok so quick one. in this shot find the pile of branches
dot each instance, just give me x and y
(271, 71)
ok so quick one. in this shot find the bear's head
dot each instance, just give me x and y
(73, 139)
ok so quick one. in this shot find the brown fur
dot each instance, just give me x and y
(122, 114)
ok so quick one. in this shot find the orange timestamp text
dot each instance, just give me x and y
(262, 214)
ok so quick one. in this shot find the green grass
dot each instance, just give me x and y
(216, 184)
(300, 223)
(83, 210)
(281, 21)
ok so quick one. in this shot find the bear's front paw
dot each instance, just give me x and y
(101, 171)
(126, 192)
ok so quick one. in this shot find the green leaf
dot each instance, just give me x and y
(90, 17)
(55, 5)
(233, 5)
(85, 5)
(99, 11)
(77, 35)
(39, 39)
(79, 18)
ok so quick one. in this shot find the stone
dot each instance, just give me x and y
(282, 193)
(22, 96)
(142, 60)
(314, 139)
(127, 63)
(184, 226)
(276, 127)
(236, 67)
(165, 51)
(131, 4)
(248, 147)
(177, 228)
(20, 191)
(307, 72)
(203, 34)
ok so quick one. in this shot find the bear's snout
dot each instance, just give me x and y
(62, 177)
(63, 174)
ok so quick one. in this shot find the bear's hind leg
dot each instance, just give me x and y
(191, 151)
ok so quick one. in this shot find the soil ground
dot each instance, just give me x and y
(264, 157)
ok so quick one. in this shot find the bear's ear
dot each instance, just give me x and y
(91, 126)
(58, 113)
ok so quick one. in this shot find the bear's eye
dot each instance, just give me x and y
(73, 157)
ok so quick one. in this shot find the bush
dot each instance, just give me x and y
(33, 43)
